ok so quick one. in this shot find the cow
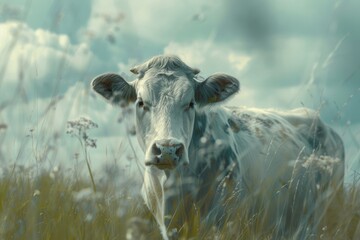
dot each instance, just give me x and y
(198, 152)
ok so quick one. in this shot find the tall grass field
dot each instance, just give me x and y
(38, 202)
(57, 205)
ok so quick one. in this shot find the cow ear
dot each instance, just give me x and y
(114, 88)
(216, 88)
(135, 70)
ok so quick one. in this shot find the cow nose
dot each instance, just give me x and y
(169, 148)
(167, 152)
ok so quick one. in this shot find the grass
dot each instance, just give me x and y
(36, 203)
(56, 205)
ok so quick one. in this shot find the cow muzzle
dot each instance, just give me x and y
(166, 154)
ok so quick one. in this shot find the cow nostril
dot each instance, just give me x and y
(179, 152)
(155, 149)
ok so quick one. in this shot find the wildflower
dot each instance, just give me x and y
(54, 172)
(79, 129)
(138, 228)
(86, 194)
(89, 217)
(36, 193)
(121, 212)
(322, 163)
(56, 169)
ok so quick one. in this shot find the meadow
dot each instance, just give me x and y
(60, 203)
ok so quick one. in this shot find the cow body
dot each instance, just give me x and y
(259, 154)
(203, 156)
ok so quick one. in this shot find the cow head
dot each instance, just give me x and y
(166, 94)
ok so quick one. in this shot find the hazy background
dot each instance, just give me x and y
(285, 53)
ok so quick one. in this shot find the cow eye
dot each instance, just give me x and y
(191, 105)
(141, 104)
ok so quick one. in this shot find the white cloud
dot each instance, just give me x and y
(210, 57)
(239, 62)
(65, 16)
(156, 21)
(40, 60)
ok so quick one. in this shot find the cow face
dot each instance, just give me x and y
(166, 96)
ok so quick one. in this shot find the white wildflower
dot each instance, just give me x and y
(78, 128)
(121, 212)
(56, 169)
(137, 228)
(89, 217)
(54, 172)
(36, 193)
(322, 163)
(86, 194)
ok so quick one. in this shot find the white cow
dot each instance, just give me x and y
(204, 155)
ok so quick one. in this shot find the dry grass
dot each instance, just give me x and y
(57, 205)
(62, 204)
(52, 206)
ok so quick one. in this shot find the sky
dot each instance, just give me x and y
(285, 53)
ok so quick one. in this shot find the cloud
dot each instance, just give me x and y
(61, 17)
(175, 20)
(286, 39)
(39, 62)
(121, 30)
(257, 23)
(210, 57)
